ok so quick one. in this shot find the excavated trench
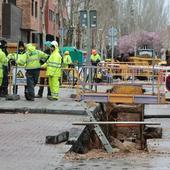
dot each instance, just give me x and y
(126, 137)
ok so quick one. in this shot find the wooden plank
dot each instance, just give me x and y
(113, 122)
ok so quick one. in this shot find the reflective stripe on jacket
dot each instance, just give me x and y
(31, 60)
(53, 64)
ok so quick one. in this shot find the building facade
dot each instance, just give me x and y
(22, 20)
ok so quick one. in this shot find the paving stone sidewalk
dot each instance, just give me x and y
(65, 104)
(22, 140)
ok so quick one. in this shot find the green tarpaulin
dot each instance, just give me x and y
(76, 55)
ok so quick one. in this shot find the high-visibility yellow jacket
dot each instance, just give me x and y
(53, 64)
(66, 60)
(94, 58)
(3, 61)
(13, 56)
(31, 59)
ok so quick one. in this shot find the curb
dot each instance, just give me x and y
(42, 111)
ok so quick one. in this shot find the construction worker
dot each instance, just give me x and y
(14, 57)
(95, 58)
(47, 50)
(31, 60)
(4, 86)
(53, 72)
(66, 59)
(3, 60)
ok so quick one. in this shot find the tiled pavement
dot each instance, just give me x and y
(22, 140)
(65, 104)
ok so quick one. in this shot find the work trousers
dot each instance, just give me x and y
(0, 81)
(41, 89)
(32, 76)
(4, 85)
(54, 86)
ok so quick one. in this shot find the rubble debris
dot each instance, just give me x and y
(62, 137)
(124, 138)
(152, 132)
(87, 140)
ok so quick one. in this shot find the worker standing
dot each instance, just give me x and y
(14, 57)
(53, 72)
(95, 58)
(31, 60)
(66, 64)
(66, 59)
(47, 50)
(3, 60)
(4, 86)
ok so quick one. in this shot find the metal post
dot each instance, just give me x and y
(62, 37)
(16, 67)
(89, 47)
(112, 45)
(153, 64)
(89, 38)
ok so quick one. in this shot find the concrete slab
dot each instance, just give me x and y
(159, 111)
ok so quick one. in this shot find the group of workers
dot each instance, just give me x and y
(33, 60)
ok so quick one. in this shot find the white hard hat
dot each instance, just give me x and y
(55, 43)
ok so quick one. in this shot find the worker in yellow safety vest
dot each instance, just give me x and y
(4, 85)
(66, 59)
(14, 57)
(95, 58)
(53, 65)
(3, 60)
(31, 60)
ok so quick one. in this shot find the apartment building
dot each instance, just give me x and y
(22, 20)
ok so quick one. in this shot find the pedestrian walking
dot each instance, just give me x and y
(53, 72)
(31, 60)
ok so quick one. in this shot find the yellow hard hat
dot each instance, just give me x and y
(66, 53)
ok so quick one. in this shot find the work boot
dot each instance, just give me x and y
(38, 96)
(51, 98)
(30, 99)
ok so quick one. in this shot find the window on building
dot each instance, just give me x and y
(36, 9)
(32, 9)
(50, 15)
(42, 3)
(57, 18)
(10, 1)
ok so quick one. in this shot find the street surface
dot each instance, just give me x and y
(22, 138)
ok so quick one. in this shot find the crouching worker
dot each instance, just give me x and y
(53, 66)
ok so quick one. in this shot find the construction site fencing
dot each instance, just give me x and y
(97, 79)
(17, 76)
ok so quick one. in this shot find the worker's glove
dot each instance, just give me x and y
(13, 62)
(71, 65)
(42, 61)
(97, 61)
